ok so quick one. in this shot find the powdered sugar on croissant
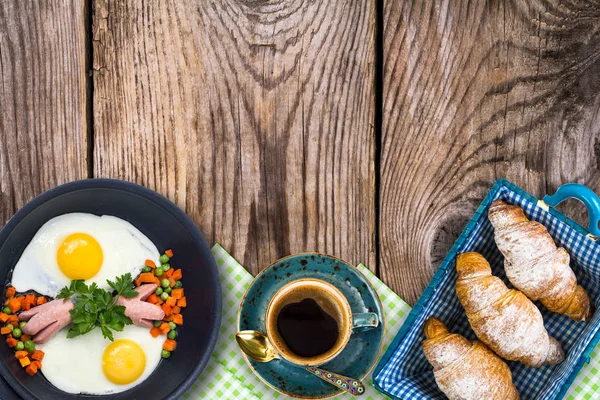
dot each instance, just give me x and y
(504, 319)
(463, 369)
(535, 265)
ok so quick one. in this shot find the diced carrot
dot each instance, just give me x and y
(177, 293)
(155, 332)
(25, 337)
(150, 263)
(175, 310)
(178, 319)
(169, 345)
(30, 298)
(11, 341)
(169, 318)
(38, 364)
(182, 302)
(41, 300)
(166, 308)
(13, 320)
(25, 361)
(37, 355)
(159, 302)
(169, 253)
(4, 317)
(147, 277)
(10, 292)
(171, 282)
(177, 275)
(15, 303)
(164, 328)
(153, 299)
(31, 369)
(168, 273)
(30, 301)
(21, 354)
(5, 330)
(171, 301)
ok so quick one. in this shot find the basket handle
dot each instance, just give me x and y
(583, 194)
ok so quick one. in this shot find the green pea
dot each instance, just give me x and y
(172, 325)
(167, 290)
(166, 267)
(19, 346)
(164, 259)
(178, 284)
(6, 310)
(29, 346)
(17, 333)
(164, 296)
(158, 291)
(22, 324)
(157, 323)
(165, 354)
(158, 271)
(172, 335)
(146, 269)
(165, 283)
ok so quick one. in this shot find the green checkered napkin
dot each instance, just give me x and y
(227, 376)
(587, 383)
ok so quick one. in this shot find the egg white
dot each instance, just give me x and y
(75, 365)
(124, 250)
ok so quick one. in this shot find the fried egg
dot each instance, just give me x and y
(81, 246)
(91, 364)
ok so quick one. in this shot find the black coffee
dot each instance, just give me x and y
(306, 329)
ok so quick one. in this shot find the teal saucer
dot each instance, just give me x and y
(363, 349)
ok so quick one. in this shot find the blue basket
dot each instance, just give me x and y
(404, 372)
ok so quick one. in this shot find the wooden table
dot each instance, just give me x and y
(367, 129)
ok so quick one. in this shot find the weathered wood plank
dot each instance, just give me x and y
(254, 117)
(42, 98)
(474, 91)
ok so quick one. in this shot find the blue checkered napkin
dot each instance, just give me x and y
(406, 373)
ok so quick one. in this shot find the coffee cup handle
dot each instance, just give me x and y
(364, 321)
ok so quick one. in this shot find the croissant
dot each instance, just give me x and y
(534, 265)
(504, 319)
(463, 369)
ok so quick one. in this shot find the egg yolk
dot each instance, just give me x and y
(79, 256)
(123, 361)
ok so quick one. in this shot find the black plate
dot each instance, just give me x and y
(6, 392)
(168, 227)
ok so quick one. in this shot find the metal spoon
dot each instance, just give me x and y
(257, 346)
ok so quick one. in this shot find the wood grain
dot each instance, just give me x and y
(255, 117)
(42, 98)
(474, 91)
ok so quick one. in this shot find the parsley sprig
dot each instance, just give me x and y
(96, 307)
